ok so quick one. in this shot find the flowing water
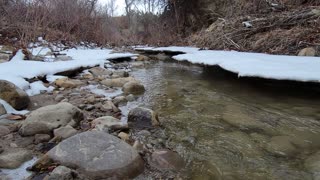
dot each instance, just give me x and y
(228, 128)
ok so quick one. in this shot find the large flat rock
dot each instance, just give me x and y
(98, 155)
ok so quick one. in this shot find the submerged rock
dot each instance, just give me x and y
(141, 118)
(15, 96)
(98, 155)
(119, 100)
(133, 87)
(13, 158)
(48, 118)
(166, 160)
(142, 58)
(282, 146)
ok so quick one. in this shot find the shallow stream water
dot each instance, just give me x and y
(229, 128)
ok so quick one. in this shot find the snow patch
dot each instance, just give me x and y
(109, 94)
(10, 109)
(38, 87)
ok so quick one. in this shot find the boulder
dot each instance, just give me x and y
(117, 82)
(4, 131)
(312, 164)
(67, 83)
(98, 71)
(107, 122)
(13, 158)
(15, 96)
(65, 132)
(2, 110)
(124, 136)
(46, 119)
(281, 146)
(120, 74)
(310, 51)
(130, 98)
(60, 173)
(141, 118)
(98, 155)
(133, 87)
(166, 160)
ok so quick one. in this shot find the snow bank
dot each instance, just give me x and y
(259, 65)
(18, 70)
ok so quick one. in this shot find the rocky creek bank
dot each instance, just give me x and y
(78, 130)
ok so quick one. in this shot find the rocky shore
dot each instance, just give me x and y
(77, 131)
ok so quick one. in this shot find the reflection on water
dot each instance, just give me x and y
(227, 128)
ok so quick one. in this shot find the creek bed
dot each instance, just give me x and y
(226, 128)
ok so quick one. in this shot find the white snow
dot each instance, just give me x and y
(10, 109)
(278, 67)
(37, 87)
(18, 70)
(52, 78)
(18, 57)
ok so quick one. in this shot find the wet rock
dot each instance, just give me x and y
(310, 51)
(60, 173)
(142, 58)
(109, 106)
(133, 87)
(130, 98)
(312, 164)
(119, 100)
(89, 107)
(141, 118)
(15, 96)
(117, 82)
(137, 64)
(98, 71)
(13, 158)
(91, 99)
(162, 57)
(2, 110)
(48, 118)
(89, 152)
(138, 146)
(124, 136)
(166, 160)
(68, 83)
(40, 138)
(4, 131)
(65, 132)
(282, 146)
(106, 123)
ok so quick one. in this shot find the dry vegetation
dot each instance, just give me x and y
(278, 26)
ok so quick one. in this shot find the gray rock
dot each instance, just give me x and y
(117, 82)
(39, 138)
(15, 96)
(312, 164)
(98, 71)
(120, 73)
(65, 132)
(109, 106)
(133, 87)
(4, 131)
(130, 98)
(13, 158)
(141, 118)
(60, 173)
(282, 146)
(166, 160)
(310, 51)
(2, 110)
(107, 122)
(59, 98)
(98, 155)
(119, 100)
(48, 118)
